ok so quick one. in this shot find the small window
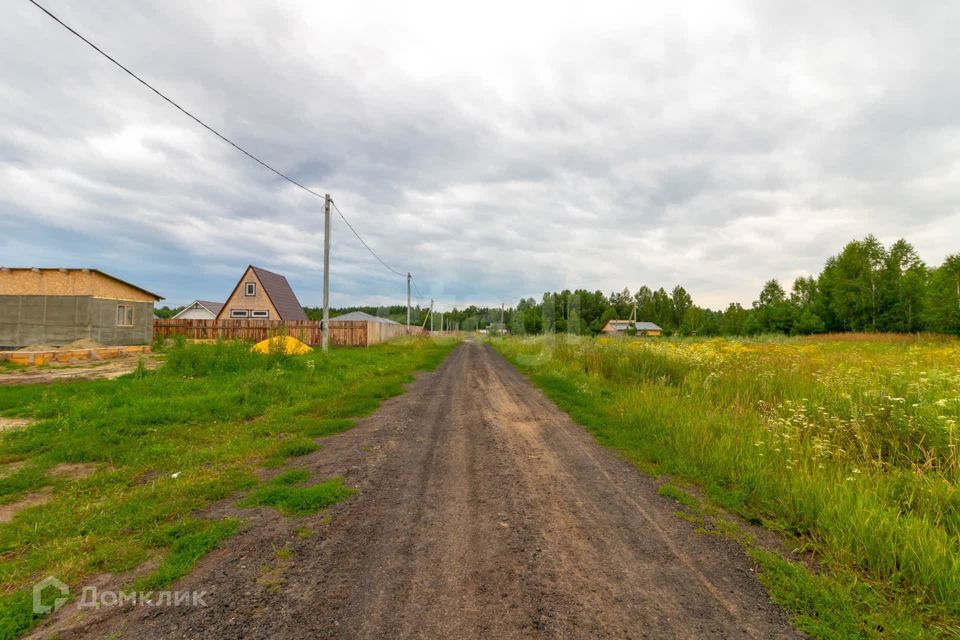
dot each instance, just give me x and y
(251, 288)
(260, 313)
(124, 315)
(239, 313)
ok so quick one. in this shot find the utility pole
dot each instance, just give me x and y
(430, 315)
(408, 302)
(500, 328)
(325, 340)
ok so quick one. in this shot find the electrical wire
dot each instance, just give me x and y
(362, 241)
(211, 129)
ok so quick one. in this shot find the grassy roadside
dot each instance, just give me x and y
(167, 443)
(847, 447)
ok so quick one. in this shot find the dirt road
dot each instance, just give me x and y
(483, 512)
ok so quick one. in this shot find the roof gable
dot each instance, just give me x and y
(278, 290)
(212, 307)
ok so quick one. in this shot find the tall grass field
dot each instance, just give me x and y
(163, 445)
(846, 444)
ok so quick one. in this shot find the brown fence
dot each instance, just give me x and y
(352, 333)
(238, 329)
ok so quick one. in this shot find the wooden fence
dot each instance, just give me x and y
(238, 329)
(353, 333)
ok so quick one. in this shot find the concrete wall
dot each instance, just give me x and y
(60, 320)
(103, 323)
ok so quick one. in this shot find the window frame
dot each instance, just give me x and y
(124, 315)
(239, 313)
(260, 313)
(250, 289)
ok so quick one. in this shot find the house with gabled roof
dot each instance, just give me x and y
(621, 327)
(199, 310)
(264, 295)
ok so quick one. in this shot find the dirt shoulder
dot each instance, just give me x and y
(96, 370)
(483, 512)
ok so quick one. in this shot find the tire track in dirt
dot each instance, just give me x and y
(483, 512)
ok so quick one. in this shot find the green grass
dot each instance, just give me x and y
(847, 446)
(679, 495)
(188, 541)
(211, 416)
(298, 501)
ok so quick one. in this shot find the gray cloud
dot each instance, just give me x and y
(495, 152)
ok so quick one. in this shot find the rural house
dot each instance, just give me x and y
(619, 327)
(363, 316)
(264, 295)
(59, 306)
(199, 310)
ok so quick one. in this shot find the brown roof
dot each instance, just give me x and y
(281, 295)
(211, 306)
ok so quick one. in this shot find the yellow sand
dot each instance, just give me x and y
(284, 344)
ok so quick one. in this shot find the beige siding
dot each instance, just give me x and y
(67, 282)
(240, 300)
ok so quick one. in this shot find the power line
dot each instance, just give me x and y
(209, 128)
(177, 106)
(362, 241)
(417, 289)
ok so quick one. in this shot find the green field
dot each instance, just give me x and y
(845, 444)
(163, 444)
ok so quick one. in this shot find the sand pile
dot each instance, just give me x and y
(282, 344)
(85, 343)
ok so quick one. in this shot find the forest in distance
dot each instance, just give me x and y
(865, 287)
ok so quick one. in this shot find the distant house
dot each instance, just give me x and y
(620, 327)
(264, 295)
(59, 306)
(362, 316)
(199, 310)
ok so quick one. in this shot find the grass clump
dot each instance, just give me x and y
(188, 541)
(299, 501)
(291, 477)
(678, 494)
(296, 448)
(847, 445)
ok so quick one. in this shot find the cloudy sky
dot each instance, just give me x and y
(496, 150)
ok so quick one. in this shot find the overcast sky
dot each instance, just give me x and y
(496, 150)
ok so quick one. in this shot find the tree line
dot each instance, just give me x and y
(865, 287)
